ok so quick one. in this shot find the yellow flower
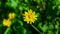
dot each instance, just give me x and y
(29, 16)
(7, 22)
(11, 15)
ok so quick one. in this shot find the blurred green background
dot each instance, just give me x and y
(48, 20)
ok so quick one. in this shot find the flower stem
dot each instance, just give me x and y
(36, 29)
(7, 30)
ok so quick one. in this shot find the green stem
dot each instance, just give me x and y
(7, 30)
(36, 29)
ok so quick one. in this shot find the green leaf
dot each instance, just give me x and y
(57, 31)
(24, 31)
(38, 17)
(8, 4)
(39, 25)
(26, 1)
(19, 30)
(58, 12)
(51, 26)
(0, 2)
(20, 7)
(56, 26)
(53, 7)
(44, 28)
(38, 1)
(1, 25)
(21, 23)
(59, 7)
(57, 1)
(12, 3)
(26, 7)
(8, 31)
(50, 32)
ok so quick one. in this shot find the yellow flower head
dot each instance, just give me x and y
(7, 22)
(11, 15)
(29, 16)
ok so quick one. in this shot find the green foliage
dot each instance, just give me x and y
(47, 12)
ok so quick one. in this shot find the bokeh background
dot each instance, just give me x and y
(48, 20)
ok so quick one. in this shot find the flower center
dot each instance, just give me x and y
(29, 16)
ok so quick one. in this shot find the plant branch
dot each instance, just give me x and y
(7, 30)
(36, 29)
